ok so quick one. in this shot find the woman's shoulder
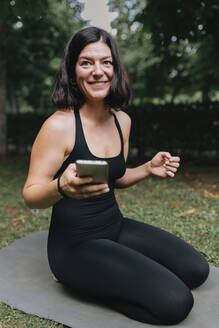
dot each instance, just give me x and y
(57, 132)
(60, 121)
(123, 118)
(124, 121)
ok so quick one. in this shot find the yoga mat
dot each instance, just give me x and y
(26, 283)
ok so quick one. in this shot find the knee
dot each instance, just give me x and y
(202, 272)
(178, 306)
(196, 272)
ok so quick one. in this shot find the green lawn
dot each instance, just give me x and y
(187, 206)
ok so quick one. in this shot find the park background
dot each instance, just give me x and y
(171, 52)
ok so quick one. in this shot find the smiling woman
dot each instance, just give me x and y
(139, 270)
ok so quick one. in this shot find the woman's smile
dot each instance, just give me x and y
(99, 84)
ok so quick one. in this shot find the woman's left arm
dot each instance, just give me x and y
(162, 164)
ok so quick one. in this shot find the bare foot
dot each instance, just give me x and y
(55, 278)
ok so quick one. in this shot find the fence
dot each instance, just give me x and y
(190, 131)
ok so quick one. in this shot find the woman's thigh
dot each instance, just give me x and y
(167, 249)
(108, 270)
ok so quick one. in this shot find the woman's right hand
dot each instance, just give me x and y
(76, 187)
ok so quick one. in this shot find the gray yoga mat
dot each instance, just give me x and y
(26, 283)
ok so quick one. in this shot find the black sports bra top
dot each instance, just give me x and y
(117, 164)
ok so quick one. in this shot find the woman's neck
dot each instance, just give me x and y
(95, 111)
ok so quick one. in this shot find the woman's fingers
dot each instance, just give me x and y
(77, 187)
(170, 174)
(171, 169)
(77, 181)
(164, 154)
(172, 165)
(82, 187)
(174, 159)
(93, 187)
(163, 164)
(84, 191)
(92, 191)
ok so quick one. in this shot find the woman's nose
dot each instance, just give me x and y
(98, 70)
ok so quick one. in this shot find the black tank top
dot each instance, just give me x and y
(117, 164)
(77, 220)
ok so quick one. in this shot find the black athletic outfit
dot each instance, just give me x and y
(139, 270)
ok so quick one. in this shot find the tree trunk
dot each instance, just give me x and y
(3, 60)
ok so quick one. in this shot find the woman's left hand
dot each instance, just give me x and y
(164, 165)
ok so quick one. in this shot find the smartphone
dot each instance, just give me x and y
(98, 170)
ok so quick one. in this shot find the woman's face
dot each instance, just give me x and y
(94, 71)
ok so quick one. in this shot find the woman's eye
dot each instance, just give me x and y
(108, 63)
(85, 63)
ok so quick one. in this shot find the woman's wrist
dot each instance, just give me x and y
(60, 190)
(148, 170)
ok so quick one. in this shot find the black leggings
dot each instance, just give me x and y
(146, 274)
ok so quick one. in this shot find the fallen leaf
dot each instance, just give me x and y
(209, 194)
(193, 210)
(19, 218)
(174, 205)
(123, 206)
(212, 186)
(9, 210)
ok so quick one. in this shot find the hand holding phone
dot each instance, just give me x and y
(98, 170)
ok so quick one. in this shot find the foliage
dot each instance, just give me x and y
(32, 34)
(186, 33)
(22, 8)
(135, 46)
(170, 47)
(37, 43)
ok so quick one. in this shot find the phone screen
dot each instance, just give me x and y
(98, 170)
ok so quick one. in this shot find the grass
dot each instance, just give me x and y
(187, 206)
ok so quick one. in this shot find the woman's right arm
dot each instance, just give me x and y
(51, 146)
(47, 156)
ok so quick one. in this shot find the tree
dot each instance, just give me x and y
(33, 35)
(37, 60)
(7, 18)
(135, 44)
(151, 74)
(171, 48)
(187, 31)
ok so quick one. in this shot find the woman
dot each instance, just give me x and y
(139, 270)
